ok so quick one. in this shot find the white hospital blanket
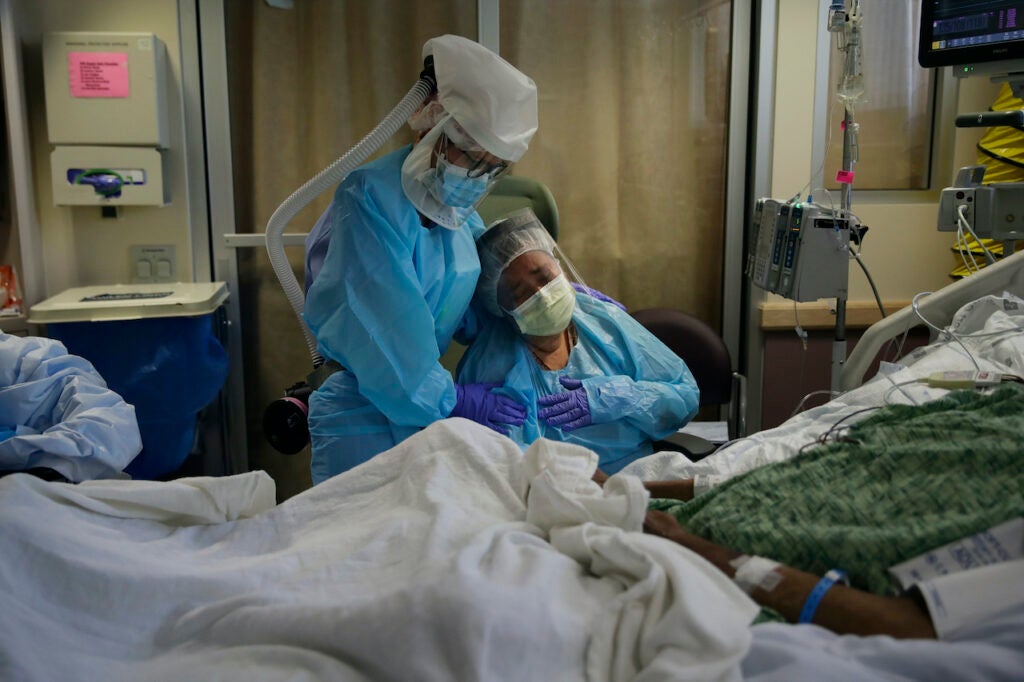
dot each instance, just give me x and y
(452, 557)
(992, 651)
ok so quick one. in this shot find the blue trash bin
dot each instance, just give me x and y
(168, 364)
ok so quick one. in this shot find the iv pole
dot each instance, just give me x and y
(847, 26)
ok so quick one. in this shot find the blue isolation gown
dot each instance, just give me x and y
(385, 304)
(639, 390)
(56, 412)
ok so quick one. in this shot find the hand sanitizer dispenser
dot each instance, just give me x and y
(106, 115)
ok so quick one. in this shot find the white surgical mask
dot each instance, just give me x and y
(548, 311)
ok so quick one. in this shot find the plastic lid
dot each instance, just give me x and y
(112, 302)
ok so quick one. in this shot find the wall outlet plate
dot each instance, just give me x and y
(153, 263)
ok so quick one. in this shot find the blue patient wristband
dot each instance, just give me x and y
(818, 593)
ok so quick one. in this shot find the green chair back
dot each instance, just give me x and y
(513, 192)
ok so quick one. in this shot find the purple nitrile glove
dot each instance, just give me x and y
(476, 402)
(594, 293)
(569, 410)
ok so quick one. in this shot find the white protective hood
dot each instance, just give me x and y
(491, 99)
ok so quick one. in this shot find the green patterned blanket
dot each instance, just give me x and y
(905, 480)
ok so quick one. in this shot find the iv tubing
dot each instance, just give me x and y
(328, 177)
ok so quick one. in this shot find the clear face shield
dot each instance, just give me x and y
(447, 174)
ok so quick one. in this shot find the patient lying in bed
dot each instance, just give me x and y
(905, 481)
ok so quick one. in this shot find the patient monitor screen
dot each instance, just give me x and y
(955, 32)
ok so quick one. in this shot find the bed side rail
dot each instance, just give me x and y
(939, 308)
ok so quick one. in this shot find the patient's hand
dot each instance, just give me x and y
(666, 526)
(599, 477)
(661, 524)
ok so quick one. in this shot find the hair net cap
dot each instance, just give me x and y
(492, 100)
(503, 242)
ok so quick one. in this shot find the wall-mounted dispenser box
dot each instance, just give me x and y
(108, 176)
(106, 115)
(105, 89)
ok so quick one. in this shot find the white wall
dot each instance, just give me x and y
(903, 250)
(80, 247)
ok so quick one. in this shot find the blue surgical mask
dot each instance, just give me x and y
(452, 187)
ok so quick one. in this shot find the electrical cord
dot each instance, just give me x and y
(982, 335)
(967, 226)
(730, 443)
(823, 438)
(899, 387)
(962, 248)
(899, 346)
(914, 304)
(903, 341)
(801, 333)
(830, 394)
(963, 379)
(874, 289)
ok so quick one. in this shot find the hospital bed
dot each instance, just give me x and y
(452, 556)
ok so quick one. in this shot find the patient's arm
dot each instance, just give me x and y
(681, 489)
(844, 610)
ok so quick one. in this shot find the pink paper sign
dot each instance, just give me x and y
(98, 74)
(844, 177)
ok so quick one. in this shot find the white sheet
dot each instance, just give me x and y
(430, 562)
(992, 651)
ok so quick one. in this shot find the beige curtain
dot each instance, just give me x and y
(632, 139)
(633, 110)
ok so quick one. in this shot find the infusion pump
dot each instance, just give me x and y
(798, 250)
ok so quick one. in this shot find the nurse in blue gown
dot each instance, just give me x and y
(393, 264)
(588, 372)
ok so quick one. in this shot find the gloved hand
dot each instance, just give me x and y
(569, 410)
(476, 402)
(594, 293)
